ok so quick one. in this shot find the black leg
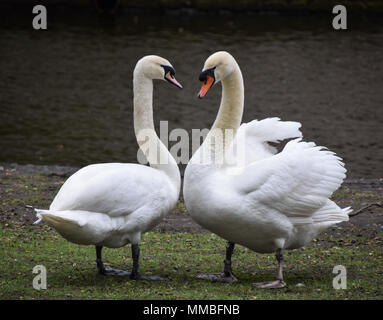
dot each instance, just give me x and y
(279, 256)
(100, 264)
(279, 283)
(136, 274)
(108, 271)
(227, 274)
(136, 257)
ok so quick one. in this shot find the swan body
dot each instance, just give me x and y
(113, 204)
(264, 200)
(278, 201)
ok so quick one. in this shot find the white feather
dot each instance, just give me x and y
(266, 200)
(112, 204)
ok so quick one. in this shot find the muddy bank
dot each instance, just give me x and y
(28, 185)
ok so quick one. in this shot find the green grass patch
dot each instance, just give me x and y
(71, 269)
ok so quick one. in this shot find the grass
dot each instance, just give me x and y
(180, 256)
(71, 270)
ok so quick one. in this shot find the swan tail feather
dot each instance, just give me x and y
(347, 210)
(332, 214)
(38, 215)
(81, 227)
(55, 218)
(327, 215)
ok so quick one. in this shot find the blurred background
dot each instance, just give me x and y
(66, 92)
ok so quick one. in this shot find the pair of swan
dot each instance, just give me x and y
(264, 200)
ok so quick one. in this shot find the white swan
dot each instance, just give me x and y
(113, 204)
(266, 201)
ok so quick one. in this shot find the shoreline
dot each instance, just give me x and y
(24, 187)
(66, 171)
(207, 7)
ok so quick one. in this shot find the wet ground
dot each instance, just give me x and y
(66, 93)
(23, 187)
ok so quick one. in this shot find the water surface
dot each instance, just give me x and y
(66, 93)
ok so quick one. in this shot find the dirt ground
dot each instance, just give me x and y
(26, 186)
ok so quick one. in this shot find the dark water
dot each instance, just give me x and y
(66, 93)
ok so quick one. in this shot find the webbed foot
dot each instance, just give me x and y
(114, 272)
(276, 284)
(150, 278)
(218, 277)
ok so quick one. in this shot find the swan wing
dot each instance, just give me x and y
(255, 135)
(114, 189)
(272, 130)
(296, 182)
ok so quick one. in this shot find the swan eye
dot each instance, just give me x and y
(204, 74)
(169, 73)
(207, 77)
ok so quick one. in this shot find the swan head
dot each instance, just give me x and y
(155, 67)
(216, 68)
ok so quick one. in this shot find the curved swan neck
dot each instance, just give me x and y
(230, 112)
(150, 144)
(231, 108)
(142, 106)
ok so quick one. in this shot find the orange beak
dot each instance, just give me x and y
(206, 86)
(173, 80)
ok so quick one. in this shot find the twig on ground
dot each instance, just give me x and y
(364, 208)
